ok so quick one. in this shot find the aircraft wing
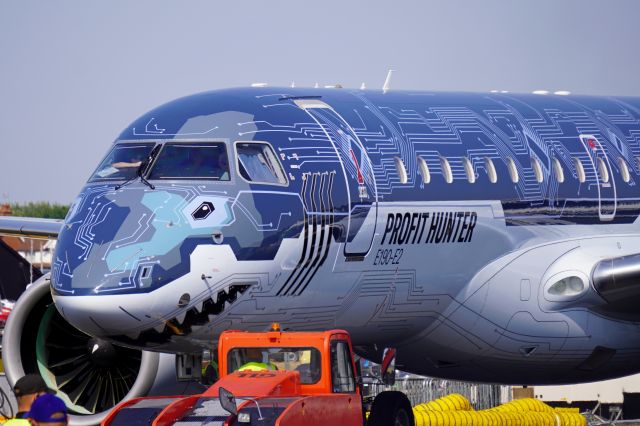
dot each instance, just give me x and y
(30, 227)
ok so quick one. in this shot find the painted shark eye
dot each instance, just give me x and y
(203, 211)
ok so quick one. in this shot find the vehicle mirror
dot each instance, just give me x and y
(388, 366)
(228, 401)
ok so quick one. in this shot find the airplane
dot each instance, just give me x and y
(488, 237)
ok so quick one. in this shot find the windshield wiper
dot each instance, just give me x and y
(136, 176)
(131, 179)
(141, 170)
(144, 167)
(146, 182)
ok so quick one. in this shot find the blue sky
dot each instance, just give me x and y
(74, 73)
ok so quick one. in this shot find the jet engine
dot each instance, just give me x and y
(91, 375)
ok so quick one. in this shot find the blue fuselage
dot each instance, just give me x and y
(462, 229)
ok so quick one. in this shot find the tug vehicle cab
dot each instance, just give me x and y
(274, 378)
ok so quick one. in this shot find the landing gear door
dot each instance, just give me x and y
(360, 224)
(602, 178)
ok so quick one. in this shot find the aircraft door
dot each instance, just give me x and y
(358, 172)
(603, 177)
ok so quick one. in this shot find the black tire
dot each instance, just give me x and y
(391, 408)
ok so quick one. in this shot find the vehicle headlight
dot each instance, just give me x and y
(244, 417)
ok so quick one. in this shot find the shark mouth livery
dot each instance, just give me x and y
(488, 237)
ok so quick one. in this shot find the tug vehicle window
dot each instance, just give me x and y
(306, 361)
(342, 376)
(258, 163)
(122, 162)
(192, 161)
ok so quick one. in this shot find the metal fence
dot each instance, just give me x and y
(425, 389)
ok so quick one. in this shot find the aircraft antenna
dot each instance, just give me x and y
(363, 86)
(293, 84)
(387, 82)
(316, 85)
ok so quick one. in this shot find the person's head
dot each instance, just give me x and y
(27, 389)
(254, 354)
(48, 410)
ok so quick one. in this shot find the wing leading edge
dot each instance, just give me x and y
(30, 227)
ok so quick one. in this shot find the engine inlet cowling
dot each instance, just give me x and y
(91, 375)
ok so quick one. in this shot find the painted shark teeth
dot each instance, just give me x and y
(196, 316)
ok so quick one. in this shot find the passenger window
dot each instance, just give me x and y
(579, 170)
(468, 168)
(342, 377)
(624, 170)
(537, 169)
(192, 161)
(491, 170)
(258, 163)
(557, 168)
(602, 170)
(446, 170)
(402, 171)
(513, 170)
(424, 170)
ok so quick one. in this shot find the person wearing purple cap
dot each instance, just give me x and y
(48, 410)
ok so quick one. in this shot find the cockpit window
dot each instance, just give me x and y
(258, 163)
(122, 162)
(191, 161)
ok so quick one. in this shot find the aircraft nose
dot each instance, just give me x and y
(152, 320)
(134, 240)
(91, 228)
(124, 260)
(97, 317)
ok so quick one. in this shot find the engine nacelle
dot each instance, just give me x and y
(91, 375)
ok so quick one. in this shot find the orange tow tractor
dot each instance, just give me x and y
(276, 378)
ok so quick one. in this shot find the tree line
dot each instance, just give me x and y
(41, 209)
